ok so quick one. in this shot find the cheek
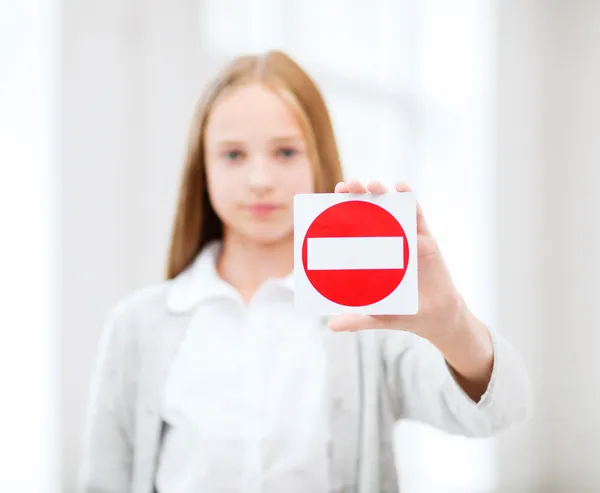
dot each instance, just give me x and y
(302, 178)
(220, 190)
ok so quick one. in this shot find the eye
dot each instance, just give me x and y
(287, 152)
(233, 155)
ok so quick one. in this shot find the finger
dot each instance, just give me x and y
(376, 187)
(422, 227)
(395, 322)
(350, 322)
(403, 187)
(341, 187)
(354, 186)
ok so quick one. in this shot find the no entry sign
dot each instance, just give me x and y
(355, 253)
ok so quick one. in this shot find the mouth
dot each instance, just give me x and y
(262, 209)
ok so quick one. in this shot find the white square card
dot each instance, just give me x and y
(356, 253)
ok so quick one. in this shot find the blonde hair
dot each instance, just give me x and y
(196, 222)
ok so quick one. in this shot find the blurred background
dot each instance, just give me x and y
(489, 108)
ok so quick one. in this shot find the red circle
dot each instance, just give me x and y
(359, 287)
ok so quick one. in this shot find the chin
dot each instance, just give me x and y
(269, 236)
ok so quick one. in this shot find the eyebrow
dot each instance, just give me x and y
(276, 140)
(230, 143)
(288, 138)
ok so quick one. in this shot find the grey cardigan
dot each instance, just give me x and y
(376, 378)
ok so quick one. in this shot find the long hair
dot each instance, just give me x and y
(196, 222)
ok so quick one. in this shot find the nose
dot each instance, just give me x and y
(260, 179)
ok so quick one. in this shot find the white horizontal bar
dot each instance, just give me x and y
(353, 253)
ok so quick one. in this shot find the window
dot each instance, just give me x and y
(366, 84)
(409, 86)
(29, 218)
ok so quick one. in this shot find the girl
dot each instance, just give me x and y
(209, 382)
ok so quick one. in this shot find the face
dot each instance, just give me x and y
(256, 161)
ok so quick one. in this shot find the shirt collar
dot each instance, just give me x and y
(200, 282)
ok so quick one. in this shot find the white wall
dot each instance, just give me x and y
(548, 171)
(572, 227)
(520, 188)
(127, 96)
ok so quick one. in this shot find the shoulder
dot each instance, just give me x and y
(152, 306)
(137, 311)
(141, 303)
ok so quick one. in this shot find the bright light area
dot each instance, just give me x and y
(29, 253)
(454, 169)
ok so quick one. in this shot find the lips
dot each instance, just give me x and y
(262, 209)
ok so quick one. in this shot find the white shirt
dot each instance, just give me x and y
(245, 399)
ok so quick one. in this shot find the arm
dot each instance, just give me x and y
(468, 349)
(473, 383)
(107, 453)
(453, 374)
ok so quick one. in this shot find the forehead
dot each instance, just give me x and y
(251, 111)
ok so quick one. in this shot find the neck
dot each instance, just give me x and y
(246, 265)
